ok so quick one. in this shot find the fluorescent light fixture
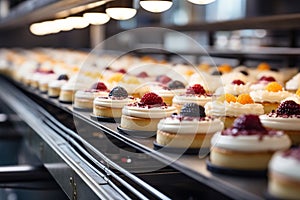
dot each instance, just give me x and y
(96, 16)
(77, 22)
(156, 6)
(44, 28)
(201, 2)
(121, 9)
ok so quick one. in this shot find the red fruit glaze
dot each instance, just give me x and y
(294, 153)
(123, 71)
(143, 75)
(238, 82)
(151, 99)
(99, 86)
(267, 78)
(163, 79)
(196, 89)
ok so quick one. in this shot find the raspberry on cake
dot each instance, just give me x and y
(236, 87)
(230, 107)
(145, 114)
(111, 106)
(194, 94)
(247, 145)
(284, 175)
(190, 129)
(285, 118)
(84, 98)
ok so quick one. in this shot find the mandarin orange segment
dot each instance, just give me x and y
(274, 87)
(244, 99)
(263, 66)
(225, 68)
(227, 97)
(298, 92)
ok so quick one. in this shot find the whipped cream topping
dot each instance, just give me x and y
(285, 165)
(233, 89)
(260, 85)
(146, 112)
(294, 83)
(282, 123)
(190, 126)
(235, 109)
(251, 143)
(90, 94)
(294, 97)
(266, 96)
(182, 99)
(112, 102)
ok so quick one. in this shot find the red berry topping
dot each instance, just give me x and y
(123, 71)
(99, 86)
(163, 79)
(151, 99)
(267, 78)
(238, 82)
(143, 75)
(196, 89)
(288, 108)
(246, 125)
(294, 153)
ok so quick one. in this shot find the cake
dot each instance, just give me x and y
(286, 118)
(189, 129)
(68, 90)
(55, 85)
(177, 87)
(111, 105)
(236, 87)
(247, 145)
(194, 94)
(262, 83)
(270, 97)
(84, 98)
(284, 174)
(228, 107)
(145, 114)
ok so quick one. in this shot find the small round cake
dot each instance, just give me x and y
(262, 83)
(111, 105)
(146, 114)
(190, 129)
(194, 94)
(236, 87)
(54, 86)
(247, 145)
(271, 97)
(286, 118)
(284, 175)
(228, 107)
(84, 98)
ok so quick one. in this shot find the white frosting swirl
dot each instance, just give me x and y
(294, 83)
(57, 83)
(294, 97)
(112, 103)
(235, 109)
(233, 89)
(287, 166)
(251, 143)
(280, 123)
(155, 112)
(266, 96)
(174, 125)
(182, 99)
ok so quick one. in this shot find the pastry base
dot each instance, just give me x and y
(83, 103)
(141, 124)
(240, 160)
(34, 84)
(268, 107)
(283, 187)
(199, 140)
(43, 87)
(53, 92)
(107, 111)
(66, 95)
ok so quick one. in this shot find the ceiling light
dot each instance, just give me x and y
(156, 6)
(63, 24)
(44, 28)
(96, 16)
(121, 9)
(201, 2)
(77, 22)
